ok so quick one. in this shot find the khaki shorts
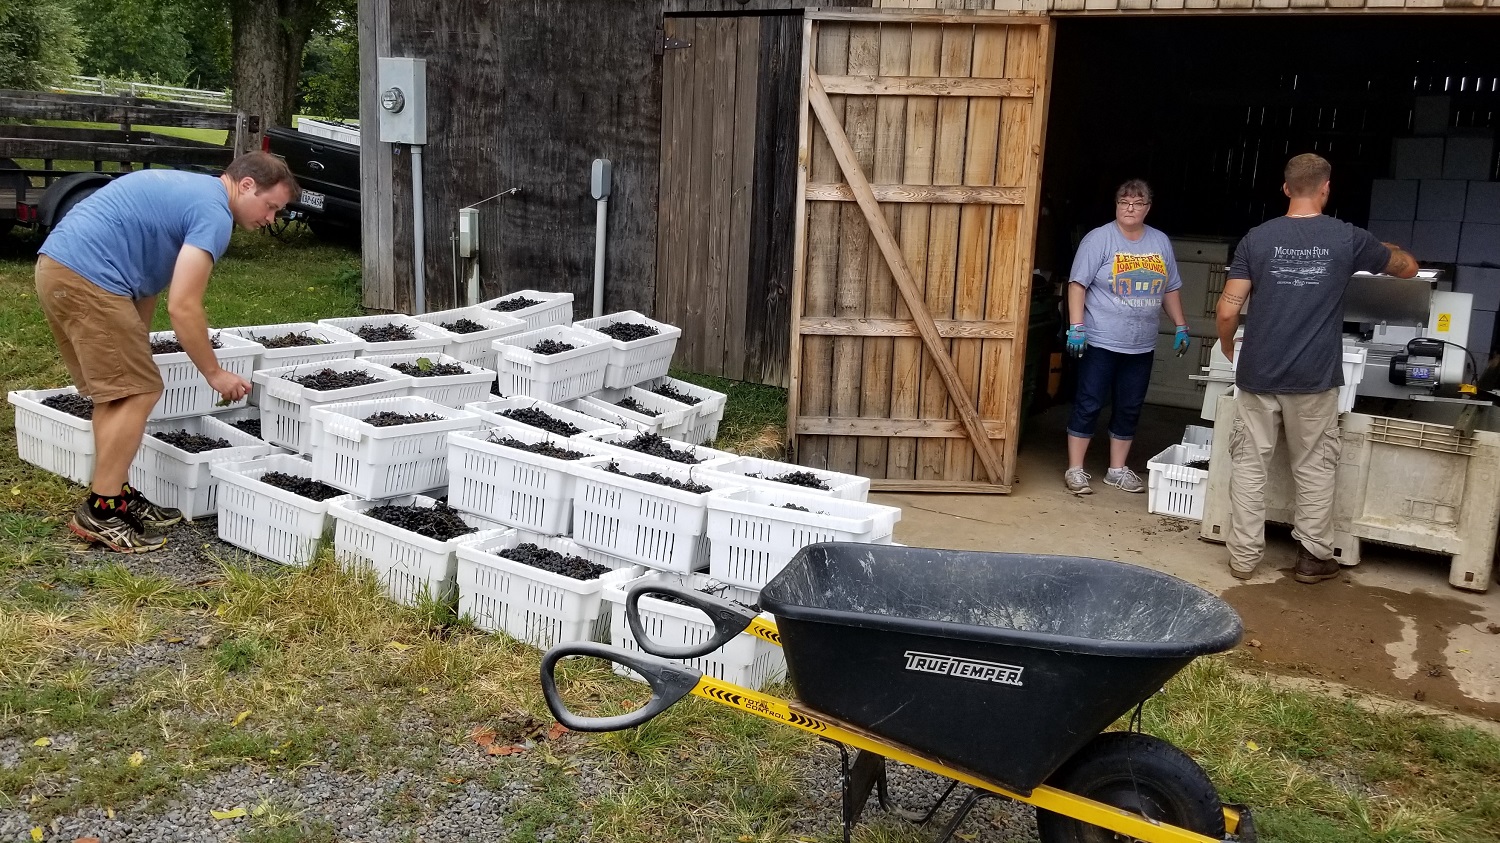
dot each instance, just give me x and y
(103, 341)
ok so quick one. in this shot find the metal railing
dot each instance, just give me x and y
(219, 100)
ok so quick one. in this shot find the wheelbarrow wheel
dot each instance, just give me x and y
(1138, 773)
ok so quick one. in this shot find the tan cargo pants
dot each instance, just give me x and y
(1311, 422)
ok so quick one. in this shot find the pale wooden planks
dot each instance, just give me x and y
(930, 194)
(800, 251)
(947, 328)
(918, 86)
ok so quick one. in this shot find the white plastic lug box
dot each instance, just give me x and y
(550, 308)
(169, 476)
(426, 338)
(51, 439)
(1174, 488)
(849, 487)
(613, 442)
(744, 660)
(672, 418)
(286, 406)
(449, 390)
(753, 533)
(373, 461)
(334, 344)
(633, 361)
(552, 377)
(267, 520)
(703, 427)
(410, 566)
(514, 487)
(643, 522)
(185, 392)
(493, 412)
(474, 347)
(531, 605)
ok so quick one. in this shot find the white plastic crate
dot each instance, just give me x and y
(338, 344)
(703, 426)
(492, 413)
(409, 566)
(1354, 358)
(170, 476)
(636, 360)
(185, 392)
(1175, 489)
(476, 347)
(51, 439)
(752, 534)
(265, 520)
(514, 487)
(449, 390)
(672, 420)
(849, 487)
(643, 522)
(379, 462)
(1199, 436)
(241, 414)
(552, 309)
(744, 660)
(552, 377)
(427, 338)
(286, 406)
(533, 606)
(612, 442)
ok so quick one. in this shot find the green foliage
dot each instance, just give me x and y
(168, 42)
(329, 86)
(40, 42)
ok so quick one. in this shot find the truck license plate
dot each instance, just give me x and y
(311, 199)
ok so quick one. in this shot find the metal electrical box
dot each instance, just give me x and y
(401, 87)
(468, 232)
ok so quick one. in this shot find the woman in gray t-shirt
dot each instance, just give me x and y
(1123, 274)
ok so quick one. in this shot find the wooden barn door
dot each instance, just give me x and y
(728, 174)
(921, 143)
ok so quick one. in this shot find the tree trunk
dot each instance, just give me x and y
(268, 39)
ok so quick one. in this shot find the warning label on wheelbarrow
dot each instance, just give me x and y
(982, 671)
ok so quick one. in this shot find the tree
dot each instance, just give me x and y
(171, 42)
(269, 37)
(41, 43)
(330, 71)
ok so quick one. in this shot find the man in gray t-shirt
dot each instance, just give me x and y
(1293, 270)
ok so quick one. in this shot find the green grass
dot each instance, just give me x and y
(289, 668)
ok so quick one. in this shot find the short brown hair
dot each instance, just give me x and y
(1306, 173)
(266, 169)
(1134, 187)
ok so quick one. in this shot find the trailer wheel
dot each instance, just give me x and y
(1138, 773)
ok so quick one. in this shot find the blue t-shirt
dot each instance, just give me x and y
(1125, 281)
(126, 237)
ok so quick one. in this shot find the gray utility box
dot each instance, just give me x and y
(1403, 483)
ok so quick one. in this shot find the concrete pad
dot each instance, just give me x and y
(1390, 626)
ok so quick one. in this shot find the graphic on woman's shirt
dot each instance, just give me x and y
(1139, 280)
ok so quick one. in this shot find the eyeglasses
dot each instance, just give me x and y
(1129, 204)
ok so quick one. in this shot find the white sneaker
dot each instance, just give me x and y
(1125, 480)
(1077, 481)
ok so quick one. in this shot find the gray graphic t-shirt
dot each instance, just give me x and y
(1298, 271)
(1125, 281)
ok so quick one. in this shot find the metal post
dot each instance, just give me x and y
(600, 178)
(419, 294)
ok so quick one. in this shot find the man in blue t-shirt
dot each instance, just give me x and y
(1293, 270)
(98, 278)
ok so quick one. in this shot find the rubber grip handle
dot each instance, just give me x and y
(729, 619)
(669, 683)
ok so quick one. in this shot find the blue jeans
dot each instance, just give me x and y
(1100, 372)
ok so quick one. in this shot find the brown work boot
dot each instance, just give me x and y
(1311, 569)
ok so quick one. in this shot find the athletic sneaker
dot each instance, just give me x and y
(121, 532)
(150, 514)
(1125, 480)
(1077, 481)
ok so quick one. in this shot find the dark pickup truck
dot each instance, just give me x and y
(328, 171)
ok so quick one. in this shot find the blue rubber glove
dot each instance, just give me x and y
(1076, 340)
(1180, 342)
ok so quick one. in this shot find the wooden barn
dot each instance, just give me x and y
(850, 200)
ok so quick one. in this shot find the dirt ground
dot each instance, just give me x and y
(1391, 626)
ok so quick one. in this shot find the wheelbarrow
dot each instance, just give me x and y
(995, 670)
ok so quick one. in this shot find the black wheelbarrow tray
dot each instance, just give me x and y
(997, 670)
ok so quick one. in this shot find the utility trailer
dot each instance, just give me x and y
(35, 195)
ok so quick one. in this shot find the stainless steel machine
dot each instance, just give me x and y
(1414, 335)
